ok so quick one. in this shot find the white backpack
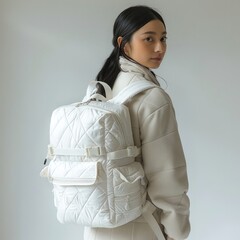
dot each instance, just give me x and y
(96, 180)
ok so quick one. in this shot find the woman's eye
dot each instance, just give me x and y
(164, 39)
(149, 39)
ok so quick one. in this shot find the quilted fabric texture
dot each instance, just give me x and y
(94, 190)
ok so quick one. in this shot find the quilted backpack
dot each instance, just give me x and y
(96, 180)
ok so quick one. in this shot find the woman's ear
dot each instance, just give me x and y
(125, 48)
(119, 41)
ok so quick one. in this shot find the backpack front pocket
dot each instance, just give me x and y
(79, 190)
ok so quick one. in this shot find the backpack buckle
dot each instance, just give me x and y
(95, 151)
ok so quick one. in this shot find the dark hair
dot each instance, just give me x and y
(126, 24)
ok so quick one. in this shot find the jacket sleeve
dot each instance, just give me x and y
(164, 163)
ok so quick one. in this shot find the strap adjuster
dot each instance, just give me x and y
(95, 151)
(50, 152)
(132, 151)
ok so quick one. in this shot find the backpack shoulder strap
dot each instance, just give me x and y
(148, 211)
(131, 90)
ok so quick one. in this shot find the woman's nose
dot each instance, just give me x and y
(159, 47)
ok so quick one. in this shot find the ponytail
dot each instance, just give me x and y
(110, 69)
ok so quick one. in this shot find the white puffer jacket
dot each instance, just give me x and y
(155, 131)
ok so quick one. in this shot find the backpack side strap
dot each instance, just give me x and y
(131, 151)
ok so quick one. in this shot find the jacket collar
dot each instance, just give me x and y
(129, 66)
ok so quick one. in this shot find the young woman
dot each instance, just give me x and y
(139, 40)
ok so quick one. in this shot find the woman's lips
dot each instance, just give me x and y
(157, 59)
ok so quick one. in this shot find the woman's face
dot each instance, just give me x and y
(148, 45)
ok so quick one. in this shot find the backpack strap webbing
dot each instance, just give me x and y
(148, 211)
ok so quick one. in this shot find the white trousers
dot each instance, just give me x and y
(130, 231)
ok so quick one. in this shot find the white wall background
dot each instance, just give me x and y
(50, 49)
